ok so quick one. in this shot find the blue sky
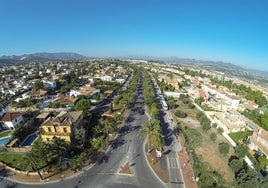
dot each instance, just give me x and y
(234, 31)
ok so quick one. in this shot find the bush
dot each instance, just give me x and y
(180, 114)
(214, 125)
(223, 148)
(191, 106)
(241, 150)
(213, 136)
(220, 130)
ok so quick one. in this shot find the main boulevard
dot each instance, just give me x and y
(127, 147)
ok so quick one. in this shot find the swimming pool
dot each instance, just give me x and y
(4, 140)
(29, 140)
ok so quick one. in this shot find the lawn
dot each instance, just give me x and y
(240, 136)
(5, 133)
(15, 160)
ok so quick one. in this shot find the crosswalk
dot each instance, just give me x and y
(172, 163)
(125, 148)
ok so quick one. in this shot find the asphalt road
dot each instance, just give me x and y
(172, 145)
(127, 147)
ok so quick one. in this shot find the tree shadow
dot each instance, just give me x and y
(117, 143)
(130, 119)
(103, 159)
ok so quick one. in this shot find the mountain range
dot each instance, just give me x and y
(45, 56)
(228, 68)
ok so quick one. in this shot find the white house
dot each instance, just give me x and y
(107, 78)
(49, 84)
(12, 119)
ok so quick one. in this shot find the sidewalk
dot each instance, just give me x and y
(186, 168)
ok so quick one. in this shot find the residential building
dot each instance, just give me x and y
(61, 126)
(49, 84)
(230, 121)
(39, 94)
(259, 141)
(66, 101)
(11, 120)
(84, 90)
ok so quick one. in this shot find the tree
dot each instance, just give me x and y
(78, 161)
(84, 105)
(153, 130)
(154, 109)
(180, 114)
(108, 127)
(38, 85)
(223, 148)
(220, 130)
(247, 178)
(58, 147)
(98, 142)
(213, 136)
(236, 165)
(241, 150)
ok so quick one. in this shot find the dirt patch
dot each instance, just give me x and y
(125, 169)
(216, 160)
(207, 150)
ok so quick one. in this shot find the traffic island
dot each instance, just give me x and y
(158, 164)
(125, 169)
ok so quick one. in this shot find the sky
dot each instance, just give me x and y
(233, 31)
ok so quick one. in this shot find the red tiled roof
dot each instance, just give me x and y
(38, 92)
(10, 116)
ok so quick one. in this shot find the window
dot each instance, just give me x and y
(49, 129)
(64, 129)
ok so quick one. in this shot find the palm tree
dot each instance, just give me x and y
(59, 147)
(98, 142)
(78, 161)
(108, 127)
(153, 130)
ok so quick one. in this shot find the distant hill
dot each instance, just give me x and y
(60, 55)
(227, 68)
(40, 57)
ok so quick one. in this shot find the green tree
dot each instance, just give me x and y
(98, 142)
(241, 150)
(180, 114)
(213, 136)
(58, 147)
(247, 179)
(78, 161)
(153, 130)
(223, 148)
(108, 127)
(154, 109)
(236, 165)
(220, 130)
(38, 85)
(84, 105)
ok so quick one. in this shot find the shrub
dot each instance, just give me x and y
(223, 148)
(220, 130)
(180, 113)
(213, 136)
